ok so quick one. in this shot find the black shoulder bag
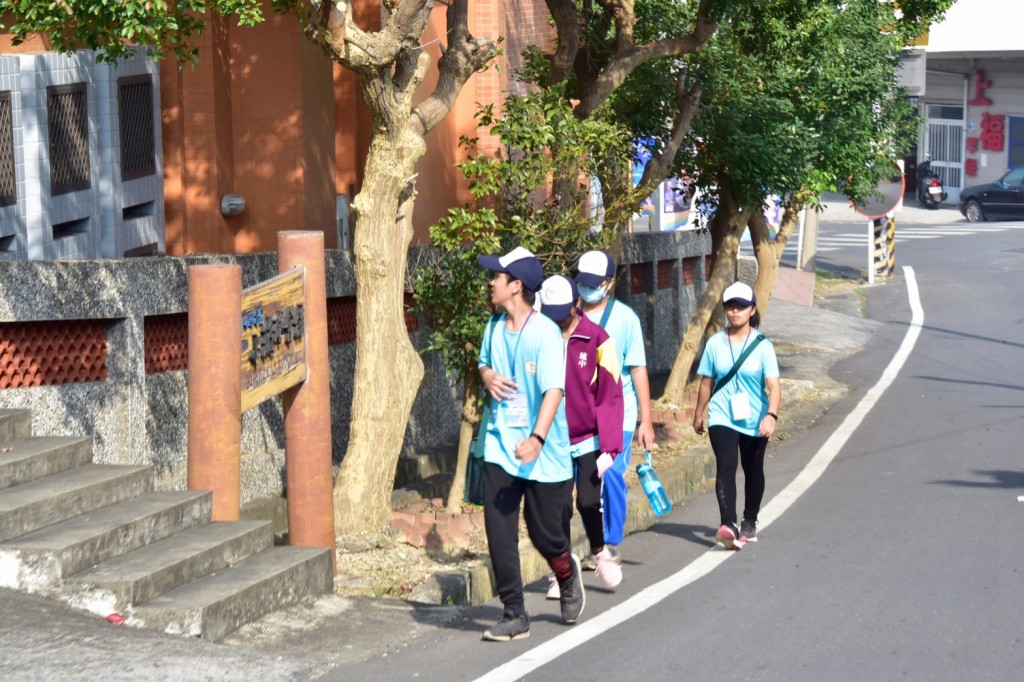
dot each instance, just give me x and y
(736, 367)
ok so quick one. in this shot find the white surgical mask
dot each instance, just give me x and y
(591, 295)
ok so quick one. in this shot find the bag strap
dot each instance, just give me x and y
(485, 414)
(736, 367)
(607, 312)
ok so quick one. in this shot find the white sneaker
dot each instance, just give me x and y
(608, 570)
(553, 591)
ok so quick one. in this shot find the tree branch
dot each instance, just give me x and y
(626, 61)
(623, 13)
(465, 56)
(567, 27)
(660, 165)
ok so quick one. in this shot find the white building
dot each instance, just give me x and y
(973, 95)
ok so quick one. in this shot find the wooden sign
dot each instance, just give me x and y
(273, 337)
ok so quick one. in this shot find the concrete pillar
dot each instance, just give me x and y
(307, 407)
(215, 385)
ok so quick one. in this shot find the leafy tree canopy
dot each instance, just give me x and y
(113, 26)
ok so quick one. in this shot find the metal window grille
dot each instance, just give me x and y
(67, 119)
(1016, 142)
(135, 116)
(8, 186)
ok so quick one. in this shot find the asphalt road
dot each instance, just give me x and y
(902, 561)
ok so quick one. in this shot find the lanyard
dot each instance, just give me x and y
(515, 351)
(732, 353)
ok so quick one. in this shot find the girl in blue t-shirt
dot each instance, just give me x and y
(738, 400)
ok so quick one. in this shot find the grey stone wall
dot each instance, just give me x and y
(136, 418)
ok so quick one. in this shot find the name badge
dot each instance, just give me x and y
(516, 411)
(740, 407)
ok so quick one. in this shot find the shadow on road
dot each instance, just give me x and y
(1000, 479)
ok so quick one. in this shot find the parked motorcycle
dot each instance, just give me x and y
(930, 191)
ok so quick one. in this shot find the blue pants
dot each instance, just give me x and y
(613, 493)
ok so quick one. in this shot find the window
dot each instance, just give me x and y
(1016, 156)
(8, 187)
(1014, 178)
(67, 120)
(135, 116)
(947, 112)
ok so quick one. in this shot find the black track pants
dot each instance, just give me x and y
(731, 448)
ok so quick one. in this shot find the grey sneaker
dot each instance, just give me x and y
(508, 628)
(748, 531)
(572, 595)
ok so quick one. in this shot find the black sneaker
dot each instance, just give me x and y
(572, 595)
(748, 531)
(508, 628)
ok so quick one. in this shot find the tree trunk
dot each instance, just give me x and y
(728, 222)
(768, 251)
(470, 417)
(388, 369)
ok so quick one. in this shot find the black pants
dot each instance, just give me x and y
(588, 500)
(543, 507)
(730, 445)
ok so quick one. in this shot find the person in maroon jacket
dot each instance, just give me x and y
(592, 411)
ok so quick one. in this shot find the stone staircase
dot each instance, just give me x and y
(100, 539)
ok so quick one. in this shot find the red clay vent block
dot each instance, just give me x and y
(639, 275)
(341, 320)
(52, 353)
(665, 273)
(412, 323)
(689, 267)
(166, 342)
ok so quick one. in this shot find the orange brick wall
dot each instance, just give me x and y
(254, 118)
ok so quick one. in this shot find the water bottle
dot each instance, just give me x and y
(652, 486)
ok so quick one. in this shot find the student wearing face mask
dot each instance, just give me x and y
(596, 282)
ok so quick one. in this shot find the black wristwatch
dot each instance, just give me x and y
(773, 416)
(538, 437)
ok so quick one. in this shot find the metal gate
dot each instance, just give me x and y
(944, 145)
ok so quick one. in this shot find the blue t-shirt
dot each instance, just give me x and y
(535, 358)
(624, 327)
(716, 362)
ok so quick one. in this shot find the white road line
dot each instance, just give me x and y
(582, 633)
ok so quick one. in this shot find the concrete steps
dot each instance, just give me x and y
(15, 424)
(26, 459)
(218, 604)
(50, 554)
(99, 538)
(142, 575)
(52, 499)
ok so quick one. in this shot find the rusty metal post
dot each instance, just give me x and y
(307, 407)
(215, 385)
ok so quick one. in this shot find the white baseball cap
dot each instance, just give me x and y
(594, 268)
(741, 293)
(557, 297)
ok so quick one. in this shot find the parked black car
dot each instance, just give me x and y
(1004, 197)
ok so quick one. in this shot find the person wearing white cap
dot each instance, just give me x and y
(738, 400)
(592, 414)
(596, 281)
(526, 457)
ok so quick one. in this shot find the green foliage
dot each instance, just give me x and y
(113, 26)
(543, 146)
(799, 96)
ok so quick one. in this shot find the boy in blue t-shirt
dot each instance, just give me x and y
(526, 453)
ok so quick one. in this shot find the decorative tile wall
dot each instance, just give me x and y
(103, 216)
